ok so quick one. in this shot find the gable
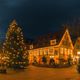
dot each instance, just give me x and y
(66, 40)
(77, 44)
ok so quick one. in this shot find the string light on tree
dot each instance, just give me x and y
(14, 45)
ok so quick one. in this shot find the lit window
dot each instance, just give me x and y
(78, 52)
(61, 50)
(53, 42)
(55, 52)
(65, 50)
(51, 50)
(69, 52)
(31, 46)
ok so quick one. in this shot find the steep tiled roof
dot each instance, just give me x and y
(74, 38)
(44, 40)
(28, 43)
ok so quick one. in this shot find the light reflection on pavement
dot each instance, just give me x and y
(39, 73)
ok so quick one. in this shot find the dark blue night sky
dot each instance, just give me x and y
(38, 17)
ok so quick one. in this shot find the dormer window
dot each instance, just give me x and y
(53, 42)
(31, 46)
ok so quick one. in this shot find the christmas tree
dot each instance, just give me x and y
(15, 47)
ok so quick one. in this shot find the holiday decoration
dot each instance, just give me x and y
(15, 47)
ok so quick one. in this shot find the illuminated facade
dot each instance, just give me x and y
(77, 50)
(58, 46)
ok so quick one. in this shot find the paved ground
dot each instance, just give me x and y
(38, 73)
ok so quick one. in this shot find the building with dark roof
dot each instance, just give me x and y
(56, 45)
